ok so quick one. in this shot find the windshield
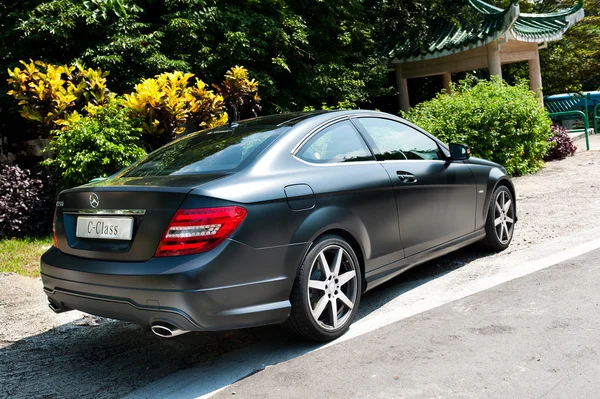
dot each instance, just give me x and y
(221, 149)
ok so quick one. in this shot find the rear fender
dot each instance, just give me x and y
(333, 218)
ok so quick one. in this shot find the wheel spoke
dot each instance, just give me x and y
(498, 208)
(321, 305)
(344, 278)
(345, 300)
(317, 285)
(337, 262)
(332, 287)
(509, 220)
(507, 205)
(497, 221)
(501, 233)
(325, 265)
(334, 311)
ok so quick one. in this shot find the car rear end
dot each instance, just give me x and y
(150, 248)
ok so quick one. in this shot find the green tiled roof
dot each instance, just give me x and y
(449, 39)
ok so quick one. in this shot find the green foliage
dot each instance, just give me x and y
(167, 102)
(502, 123)
(240, 94)
(96, 145)
(47, 93)
(22, 255)
(303, 52)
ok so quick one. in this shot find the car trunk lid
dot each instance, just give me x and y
(137, 210)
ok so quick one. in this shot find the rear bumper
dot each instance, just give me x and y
(233, 286)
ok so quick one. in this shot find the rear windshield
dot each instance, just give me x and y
(222, 149)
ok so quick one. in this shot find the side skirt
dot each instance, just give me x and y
(387, 272)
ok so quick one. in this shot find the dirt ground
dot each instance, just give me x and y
(43, 355)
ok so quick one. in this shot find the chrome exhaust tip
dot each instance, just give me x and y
(166, 330)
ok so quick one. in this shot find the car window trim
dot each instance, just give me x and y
(302, 143)
(364, 132)
(313, 132)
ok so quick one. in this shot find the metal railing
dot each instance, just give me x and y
(596, 117)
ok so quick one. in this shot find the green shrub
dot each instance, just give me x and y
(96, 145)
(502, 123)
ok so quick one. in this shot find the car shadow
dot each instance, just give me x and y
(114, 359)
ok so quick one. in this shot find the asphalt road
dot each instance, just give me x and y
(532, 337)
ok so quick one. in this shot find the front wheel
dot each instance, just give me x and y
(500, 224)
(327, 291)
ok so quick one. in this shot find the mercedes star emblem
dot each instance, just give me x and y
(94, 200)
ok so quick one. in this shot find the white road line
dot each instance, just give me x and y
(403, 300)
(414, 302)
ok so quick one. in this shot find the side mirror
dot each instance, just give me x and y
(459, 152)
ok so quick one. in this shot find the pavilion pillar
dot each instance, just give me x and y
(402, 86)
(535, 76)
(493, 59)
(447, 81)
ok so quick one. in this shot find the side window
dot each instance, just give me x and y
(337, 143)
(397, 141)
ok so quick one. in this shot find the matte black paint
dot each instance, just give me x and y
(396, 223)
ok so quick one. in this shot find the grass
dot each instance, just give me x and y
(22, 256)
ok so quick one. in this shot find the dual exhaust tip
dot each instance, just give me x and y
(162, 329)
(166, 330)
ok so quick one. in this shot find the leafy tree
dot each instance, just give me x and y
(303, 52)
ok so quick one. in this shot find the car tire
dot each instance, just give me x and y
(327, 290)
(500, 223)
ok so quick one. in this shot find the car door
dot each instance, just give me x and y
(352, 192)
(436, 198)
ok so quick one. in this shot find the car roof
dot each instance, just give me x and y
(290, 119)
(276, 120)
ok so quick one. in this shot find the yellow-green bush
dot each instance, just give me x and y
(240, 94)
(166, 102)
(48, 93)
(58, 96)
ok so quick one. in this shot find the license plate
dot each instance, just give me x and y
(104, 228)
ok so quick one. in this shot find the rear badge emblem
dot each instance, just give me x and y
(94, 200)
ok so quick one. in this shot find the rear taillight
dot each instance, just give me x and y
(192, 231)
(54, 238)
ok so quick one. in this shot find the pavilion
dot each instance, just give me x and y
(505, 36)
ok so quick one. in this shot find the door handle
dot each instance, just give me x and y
(406, 177)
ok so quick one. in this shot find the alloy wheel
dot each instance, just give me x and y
(332, 287)
(504, 216)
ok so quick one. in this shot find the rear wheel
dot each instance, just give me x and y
(326, 292)
(500, 224)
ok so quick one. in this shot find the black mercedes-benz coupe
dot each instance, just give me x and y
(280, 219)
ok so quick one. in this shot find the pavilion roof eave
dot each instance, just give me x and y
(498, 22)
